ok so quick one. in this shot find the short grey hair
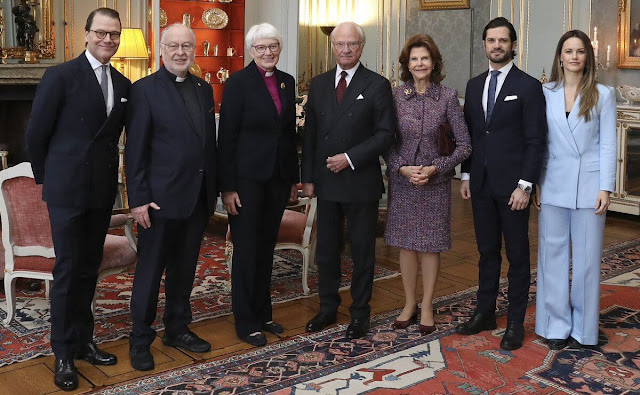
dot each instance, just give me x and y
(260, 31)
(166, 29)
(363, 37)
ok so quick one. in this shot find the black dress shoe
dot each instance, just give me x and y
(320, 321)
(188, 341)
(513, 337)
(273, 327)
(477, 323)
(66, 375)
(141, 358)
(556, 344)
(573, 343)
(256, 339)
(92, 354)
(357, 328)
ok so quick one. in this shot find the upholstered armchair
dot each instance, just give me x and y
(297, 232)
(26, 236)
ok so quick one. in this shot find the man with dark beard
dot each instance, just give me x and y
(505, 113)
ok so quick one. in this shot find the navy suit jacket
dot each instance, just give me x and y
(71, 143)
(511, 144)
(253, 140)
(363, 125)
(167, 160)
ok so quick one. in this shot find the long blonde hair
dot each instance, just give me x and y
(588, 85)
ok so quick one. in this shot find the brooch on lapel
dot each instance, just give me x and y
(282, 85)
(408, 91)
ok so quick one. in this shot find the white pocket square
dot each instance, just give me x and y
(509, 98)
(360, 97)
(123, 100)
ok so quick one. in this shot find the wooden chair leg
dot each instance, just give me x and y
(10, 295)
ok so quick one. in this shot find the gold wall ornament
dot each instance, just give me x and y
(215, 18)
(628, 35)
(44, 39)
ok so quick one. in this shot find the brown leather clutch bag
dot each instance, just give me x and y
(446, 140)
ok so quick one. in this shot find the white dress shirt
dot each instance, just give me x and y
(348, 78)
(95, 65)
(504, 70)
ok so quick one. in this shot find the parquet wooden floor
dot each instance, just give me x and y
(458, 271)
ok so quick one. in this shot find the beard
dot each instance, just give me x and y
(500, 57)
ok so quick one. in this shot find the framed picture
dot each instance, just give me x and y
(629, 34)
(443, 5)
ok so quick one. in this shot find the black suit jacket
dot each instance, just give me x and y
(363, 126)
(511, 144)
(253, 140)
(167, 159)
(72, 145)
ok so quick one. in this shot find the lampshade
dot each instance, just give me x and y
(132, 45)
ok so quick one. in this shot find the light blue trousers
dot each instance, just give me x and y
(569, 236)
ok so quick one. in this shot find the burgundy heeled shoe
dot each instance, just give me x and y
(426, 329)
(404, 324)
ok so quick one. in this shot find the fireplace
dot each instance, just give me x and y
(17, 90)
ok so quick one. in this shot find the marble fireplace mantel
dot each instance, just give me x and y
(22, 74)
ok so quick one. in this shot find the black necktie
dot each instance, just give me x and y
(342, 86)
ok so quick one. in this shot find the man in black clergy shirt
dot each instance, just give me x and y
(171, 157)
(72, 136)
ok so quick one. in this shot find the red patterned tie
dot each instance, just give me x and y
(342, 86)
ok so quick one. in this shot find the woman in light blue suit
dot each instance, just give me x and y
(573, 195)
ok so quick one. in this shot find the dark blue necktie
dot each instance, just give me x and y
(491, 98)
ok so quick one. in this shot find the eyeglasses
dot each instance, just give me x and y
(102, 34)
(263, 48)
(173, 47)
(352, 45)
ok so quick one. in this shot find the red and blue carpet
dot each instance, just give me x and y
(403, 362)
(28, 335)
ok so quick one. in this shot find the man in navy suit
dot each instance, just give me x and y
(171, 182)
(350, 122)
(505, 112)
(72, 136)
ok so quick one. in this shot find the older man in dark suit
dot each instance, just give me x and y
(171, 157)
(505, 112)
(350, 121)
(71, 139)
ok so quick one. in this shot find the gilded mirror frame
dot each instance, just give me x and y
(45, 49)
(625, 30)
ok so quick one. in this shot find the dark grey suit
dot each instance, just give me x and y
(362, 126)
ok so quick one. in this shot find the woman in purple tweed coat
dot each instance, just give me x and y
(419, 202)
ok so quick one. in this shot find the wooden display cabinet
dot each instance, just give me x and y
(626, 197)
(228, 38)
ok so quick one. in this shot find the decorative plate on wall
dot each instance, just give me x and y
(215, 18)
(225, 1)
(163, 17)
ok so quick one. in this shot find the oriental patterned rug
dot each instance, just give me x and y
(403, 362)
(28, 335)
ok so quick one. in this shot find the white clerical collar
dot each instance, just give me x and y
(180, 79)
(95, 63)
(268, 73)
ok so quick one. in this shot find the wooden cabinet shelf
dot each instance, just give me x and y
(230, 36)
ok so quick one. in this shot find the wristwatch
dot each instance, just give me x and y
(525, 188)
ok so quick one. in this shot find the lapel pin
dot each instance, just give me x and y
(408, 91)
(199, 84)
(282, 85)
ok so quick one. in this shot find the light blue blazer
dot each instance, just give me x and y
(581, 159)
